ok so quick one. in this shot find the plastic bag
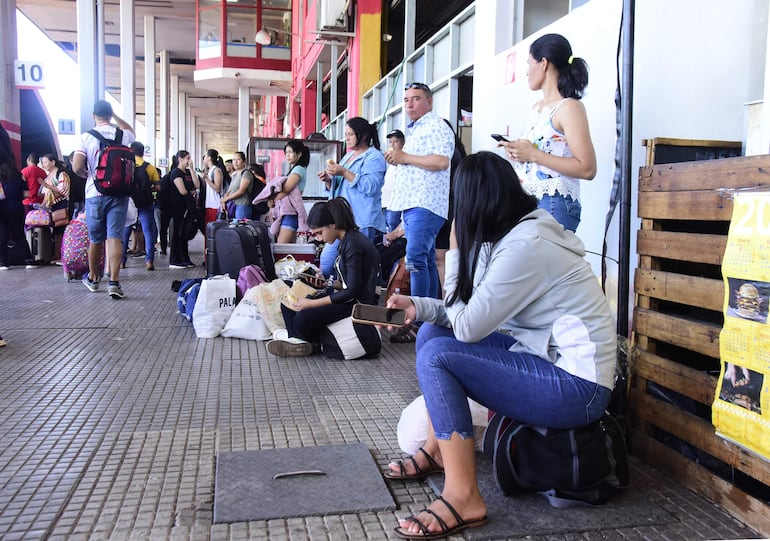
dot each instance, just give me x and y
(214, 306)
(245, 321)
(412, 429)
(269, 303)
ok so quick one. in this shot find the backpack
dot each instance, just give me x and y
(348, 341)
(248, 277)
(164, 195)
(141, 187)
(577, 466)
(187, 296)
(115, 165)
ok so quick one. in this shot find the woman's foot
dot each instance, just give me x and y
(442, 519)
(415, 468)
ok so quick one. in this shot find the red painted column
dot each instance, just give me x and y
(308, 108)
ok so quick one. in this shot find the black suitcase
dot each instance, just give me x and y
(212, 263)
(40, 244)
(242, 243)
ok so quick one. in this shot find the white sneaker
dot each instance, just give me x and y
(291, 347)
(4, 267)
(31, 267)
(280, 334)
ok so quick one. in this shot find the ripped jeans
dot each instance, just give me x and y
(517, 384)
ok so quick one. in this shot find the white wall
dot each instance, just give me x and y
(696, 63)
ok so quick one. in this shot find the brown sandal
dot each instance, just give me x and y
(419, 474)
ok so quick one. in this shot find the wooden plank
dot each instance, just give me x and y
(690, 290)
(688, 334)
(694, 247)
(752, 511)
(698, 433)
(727, 174)
(690, 142)
(691, 205)
(695, 384)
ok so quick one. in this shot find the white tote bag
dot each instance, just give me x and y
(215, 305)
(245, 321)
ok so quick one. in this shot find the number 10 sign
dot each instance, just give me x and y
(29, 74)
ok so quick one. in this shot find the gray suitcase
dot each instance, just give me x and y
(40, 244)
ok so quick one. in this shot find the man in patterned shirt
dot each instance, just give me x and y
(421, 189)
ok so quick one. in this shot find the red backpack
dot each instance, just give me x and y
(115, 165)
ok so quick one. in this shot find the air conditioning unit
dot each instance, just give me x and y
(332, 15)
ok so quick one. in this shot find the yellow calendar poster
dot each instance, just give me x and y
(741, 409)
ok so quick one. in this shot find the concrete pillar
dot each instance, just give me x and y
(175, 136)
(410, 21)
(10, 116)
(164, 102)
(319, 77)
(150, 104)
(243, 117)
(181, 119)
(87, 53)
(333, 80)
(127, 59)
(101, 87)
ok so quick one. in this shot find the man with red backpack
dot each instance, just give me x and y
(104, 153)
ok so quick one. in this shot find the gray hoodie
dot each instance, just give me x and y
(535, 285)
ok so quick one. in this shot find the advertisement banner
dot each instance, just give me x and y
(741, 409)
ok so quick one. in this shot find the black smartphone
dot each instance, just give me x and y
(370, 314)
(312, 280)
(498, 137)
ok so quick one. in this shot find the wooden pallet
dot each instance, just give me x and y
(674, 362)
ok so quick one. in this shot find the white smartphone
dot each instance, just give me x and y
(370, 314)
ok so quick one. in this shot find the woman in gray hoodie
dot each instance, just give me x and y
(524, 329)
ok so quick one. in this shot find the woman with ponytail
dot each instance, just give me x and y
(359, 176)
(556, 149)
(217, 180)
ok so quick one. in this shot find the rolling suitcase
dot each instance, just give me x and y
(244, 242)
(212, 263)
(74, 250)
(40, 244)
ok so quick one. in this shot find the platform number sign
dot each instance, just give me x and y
(29, 74)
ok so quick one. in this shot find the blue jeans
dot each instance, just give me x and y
(106, 217)
(519, 385)
(328, 255)
(565, 210)
(371, 233)
(392, 219)
(243, 212)
(147, 219)
(421, 227)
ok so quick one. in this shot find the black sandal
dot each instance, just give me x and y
(445, 531)
(419, 474)
(405, 335)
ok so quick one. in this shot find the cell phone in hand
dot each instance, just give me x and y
(370, 314)
(499, 138)
(312, 280)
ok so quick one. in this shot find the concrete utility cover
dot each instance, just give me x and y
(339, 479)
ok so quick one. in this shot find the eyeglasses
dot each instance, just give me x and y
(419, 86)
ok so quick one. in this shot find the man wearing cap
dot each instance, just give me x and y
(105, 215)
(421, 190)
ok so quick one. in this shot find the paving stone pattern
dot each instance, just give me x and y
(112, 413)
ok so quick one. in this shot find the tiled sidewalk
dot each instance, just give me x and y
(112, 413)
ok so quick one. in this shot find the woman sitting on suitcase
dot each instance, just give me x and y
(357, 268)
(56, 192)
(510, 266)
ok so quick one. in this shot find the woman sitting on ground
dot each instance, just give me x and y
(510, 266)
(357, 268)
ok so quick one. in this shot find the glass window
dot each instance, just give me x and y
(241, 29)
(276, 4)
(278, 24)
(209, 40)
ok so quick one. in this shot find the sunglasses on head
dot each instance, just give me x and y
(420, 86)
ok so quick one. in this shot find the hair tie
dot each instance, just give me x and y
(570, 59)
